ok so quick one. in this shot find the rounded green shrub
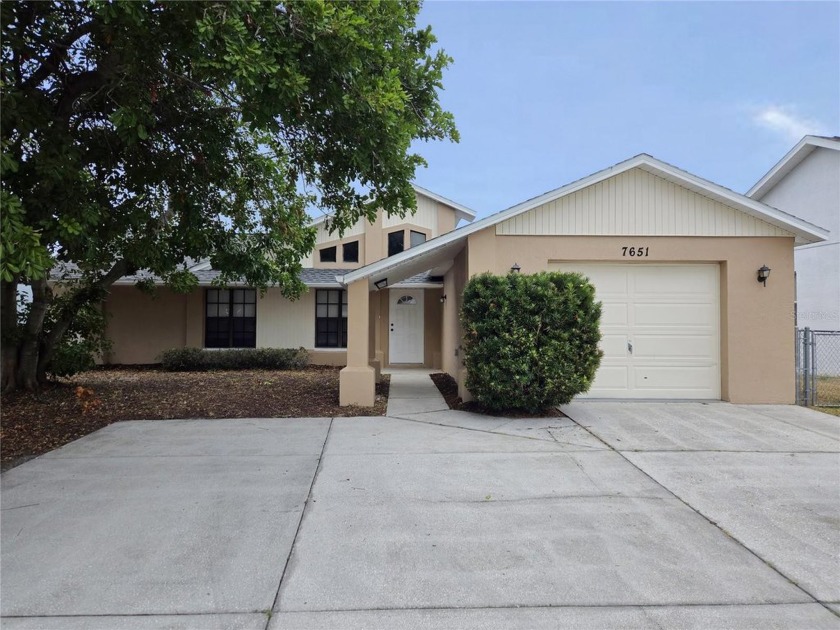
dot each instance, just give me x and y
(530, 341)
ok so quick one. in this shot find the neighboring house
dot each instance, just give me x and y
(674, 259)
(141, 327)
(806, 182)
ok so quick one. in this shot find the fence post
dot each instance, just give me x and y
(806, 365)
(797, 364)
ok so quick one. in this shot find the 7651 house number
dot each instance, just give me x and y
(635, 251)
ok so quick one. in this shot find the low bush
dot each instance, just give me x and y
(198, 359)
(530, 341)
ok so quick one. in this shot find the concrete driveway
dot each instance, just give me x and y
(623, 515)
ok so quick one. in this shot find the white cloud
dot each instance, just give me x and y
(784, 121)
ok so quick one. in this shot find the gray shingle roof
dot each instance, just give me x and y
(309, 275)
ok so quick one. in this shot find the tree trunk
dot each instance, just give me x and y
(8, 324)
(94, 292)
(30, 344)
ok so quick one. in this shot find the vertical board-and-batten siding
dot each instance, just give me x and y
(283, 323)
(323, 234)
(637, 203)
(426, 216)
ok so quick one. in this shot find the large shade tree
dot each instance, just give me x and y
(137, 135)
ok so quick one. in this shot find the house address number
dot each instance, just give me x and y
(635, 251)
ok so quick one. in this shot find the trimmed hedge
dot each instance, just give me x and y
(530, 341)
(199, 359)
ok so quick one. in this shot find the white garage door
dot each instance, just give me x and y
(660, 327)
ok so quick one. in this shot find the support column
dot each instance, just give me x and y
(357, 382)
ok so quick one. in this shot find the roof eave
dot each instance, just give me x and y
(791, 160)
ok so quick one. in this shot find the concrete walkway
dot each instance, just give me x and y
(618, 516)
(412, 391)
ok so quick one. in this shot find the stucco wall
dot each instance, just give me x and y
(433, 315)
(811, 191)
(454, 282)
(140, 326)
(756, 321)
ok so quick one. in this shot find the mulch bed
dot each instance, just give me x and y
(34, 423)
(448, 388)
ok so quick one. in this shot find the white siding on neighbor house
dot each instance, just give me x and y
(426, 216)
(811, 191)
(283, 323)
(637, 203)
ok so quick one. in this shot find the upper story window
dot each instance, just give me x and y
(350, 252)
(417, 238)
(230, 318)
(396, 242)
(328, 254)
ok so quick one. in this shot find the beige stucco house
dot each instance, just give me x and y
(674, 259)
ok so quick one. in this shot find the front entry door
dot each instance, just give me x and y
(405, 337)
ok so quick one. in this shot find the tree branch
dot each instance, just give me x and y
(59, 52)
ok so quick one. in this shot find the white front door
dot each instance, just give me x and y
(660, 330)
(405, 337)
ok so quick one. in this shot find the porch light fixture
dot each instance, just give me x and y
(381, 284)
(515, 268)
(763, 274)
(443, 298)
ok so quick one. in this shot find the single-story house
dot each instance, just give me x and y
(806, 182)
(678, 262)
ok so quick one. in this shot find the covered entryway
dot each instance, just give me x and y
(660, 328)
(405, 328)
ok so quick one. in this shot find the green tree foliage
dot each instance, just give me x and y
(137, 135)
(530, 341)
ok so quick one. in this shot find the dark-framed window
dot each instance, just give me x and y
(330, 318)
(328, 254)
(396, 242)
(416, 238)
(230, 318)
(350, 251)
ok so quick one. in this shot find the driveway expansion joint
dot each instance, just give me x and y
(276, 602)
(767, 563)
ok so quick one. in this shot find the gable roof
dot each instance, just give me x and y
(432, 251)
(790, 161)
(461, 211)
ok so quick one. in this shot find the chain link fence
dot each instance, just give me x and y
(818, 367)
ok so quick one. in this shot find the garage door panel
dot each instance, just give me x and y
(675, 379)
(613, 345)
(684, 347)
(611, 377)
(674, 280)
(609, 283)
(674, 315)
(615, 314)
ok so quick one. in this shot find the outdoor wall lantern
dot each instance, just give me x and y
(763, 274)
(381, 284)
(515, 268)
(443, 298)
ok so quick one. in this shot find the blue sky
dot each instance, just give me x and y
(544, 93)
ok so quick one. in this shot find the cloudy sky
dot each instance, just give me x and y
(547, 92)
